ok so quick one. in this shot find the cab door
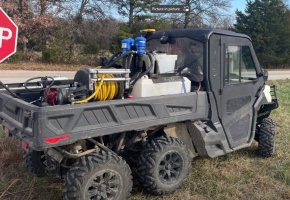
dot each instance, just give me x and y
(239, 86)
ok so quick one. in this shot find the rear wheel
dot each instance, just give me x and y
(34, 162)
(163, 165)
(101, 175)
(267, 137)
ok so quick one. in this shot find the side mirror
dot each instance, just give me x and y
(166, 38)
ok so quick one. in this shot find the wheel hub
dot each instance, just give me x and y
(105, 185)
(102, 188)
(170, 167)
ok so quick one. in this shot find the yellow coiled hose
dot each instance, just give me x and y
(108, 90)
(103, 90)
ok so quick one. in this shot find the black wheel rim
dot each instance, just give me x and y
(105, 185)
(170, 167)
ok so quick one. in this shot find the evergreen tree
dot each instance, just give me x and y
(265, 21)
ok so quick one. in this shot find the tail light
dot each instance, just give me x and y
(55, 140)
(24, 144)
(7, 132)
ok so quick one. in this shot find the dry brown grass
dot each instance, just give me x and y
(15, 182)
(39, 66)
(239, 175)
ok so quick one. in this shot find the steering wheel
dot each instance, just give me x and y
(44, 83)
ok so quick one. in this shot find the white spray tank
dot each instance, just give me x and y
(146, 87)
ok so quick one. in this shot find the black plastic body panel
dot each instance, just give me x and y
(33, 124)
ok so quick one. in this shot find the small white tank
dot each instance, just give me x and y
(145, 87)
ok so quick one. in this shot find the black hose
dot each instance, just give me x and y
(112, 57)
(144, 73)
(117, 59)
(129, 62)
(40, 89)
(8, 90)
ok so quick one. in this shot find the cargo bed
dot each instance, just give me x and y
(34, 124)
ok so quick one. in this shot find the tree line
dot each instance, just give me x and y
(80, 31)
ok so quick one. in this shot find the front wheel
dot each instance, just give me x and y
(267, 137)
(102, 175)
(163, 165)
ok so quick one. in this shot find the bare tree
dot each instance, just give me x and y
(224, 23)
(202, 12)
(76, 12)
(33, 17)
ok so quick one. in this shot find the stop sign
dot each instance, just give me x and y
(8, 36)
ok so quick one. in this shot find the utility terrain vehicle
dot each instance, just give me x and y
(166, 98)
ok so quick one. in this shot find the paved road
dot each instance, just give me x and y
(10, 76)
(282, 74)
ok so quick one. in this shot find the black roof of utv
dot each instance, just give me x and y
(200, 34)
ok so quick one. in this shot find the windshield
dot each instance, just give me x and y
(181, 55)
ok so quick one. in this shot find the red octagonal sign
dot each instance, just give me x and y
(8, 36)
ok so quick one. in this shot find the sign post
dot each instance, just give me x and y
(8, 36)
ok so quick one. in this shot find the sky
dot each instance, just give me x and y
(238, 4)
(241, 5)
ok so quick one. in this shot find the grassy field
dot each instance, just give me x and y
(239, 175)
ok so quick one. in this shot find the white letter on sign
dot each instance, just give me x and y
(2, 37)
